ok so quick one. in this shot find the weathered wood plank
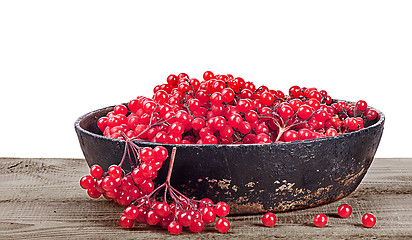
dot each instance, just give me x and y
(41, 199)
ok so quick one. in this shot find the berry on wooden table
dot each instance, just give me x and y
(344, 210)
(269, 219)
(320, 220)
(368, 220)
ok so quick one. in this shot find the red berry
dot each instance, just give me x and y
(222, 225)
(371, 114)
(243, 105)
(131, 212)
(120, 109)
(196, 225)
(152, 218)
(123, 198)
(361, 106)
(185, 219)
(160, 153)
(163, 209)
(244, 127)
(96, 171)
(125, 222)
(115, 171)
(228, 95)
(146, 154)
(108, 183)
(87, 182)
(286, 111)
(209, 139)
(267, 98)
(344, 210)
(208, 75)
(102, 123)
(222, 209)
(320, 220)
(290, 136)
(93, 193)
(208, 214)
(175, 228)
(147, 186)
(172, 80)
(269, 219)
(305, 111)
(368, 220)
(295, 92)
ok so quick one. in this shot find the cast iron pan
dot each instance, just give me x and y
(253, 178)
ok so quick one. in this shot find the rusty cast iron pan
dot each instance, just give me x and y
(253, 178)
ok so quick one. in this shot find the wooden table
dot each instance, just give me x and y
(41, 199)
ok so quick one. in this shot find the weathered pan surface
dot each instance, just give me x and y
(254, 178)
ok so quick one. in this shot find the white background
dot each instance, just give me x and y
(61, 59)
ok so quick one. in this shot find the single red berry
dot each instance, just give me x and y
(163, 209)
(222, 225)
(147, 186)
(141, 215)
(175, 228)
(96, 171)
(320, 220)
(208, 214)
(185, 219)
(208, 75)
(120, 109)
(228, 95)
(361, 105)
(286, 111)
(196, 225)
(131, 212)
(152, 218)
(269, 219)
(267, 98)
(222, 209)
(146, 154)
(291, 135)
(115, 171)
(108, 183)
(344, 210)
(123, 198)
(87, 182)
(172, 80)
(295, 92)
(102, 123)
(160, 153)
(368, 220)
(125, 222)
(371, 114)
(93, 193)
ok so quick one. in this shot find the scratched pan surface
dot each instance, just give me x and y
(254, 178)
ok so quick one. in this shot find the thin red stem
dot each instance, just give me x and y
(172, 161)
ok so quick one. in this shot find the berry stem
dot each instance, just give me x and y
(172, 161)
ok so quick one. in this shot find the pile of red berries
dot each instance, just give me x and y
(123, 187)
(222, 109)
(177, 215)
(320, 220)
(136, 190)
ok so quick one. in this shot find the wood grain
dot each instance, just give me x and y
(41, 199)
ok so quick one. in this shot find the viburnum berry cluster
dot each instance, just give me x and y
(123, 187)
(136, 191)
(222, 109)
